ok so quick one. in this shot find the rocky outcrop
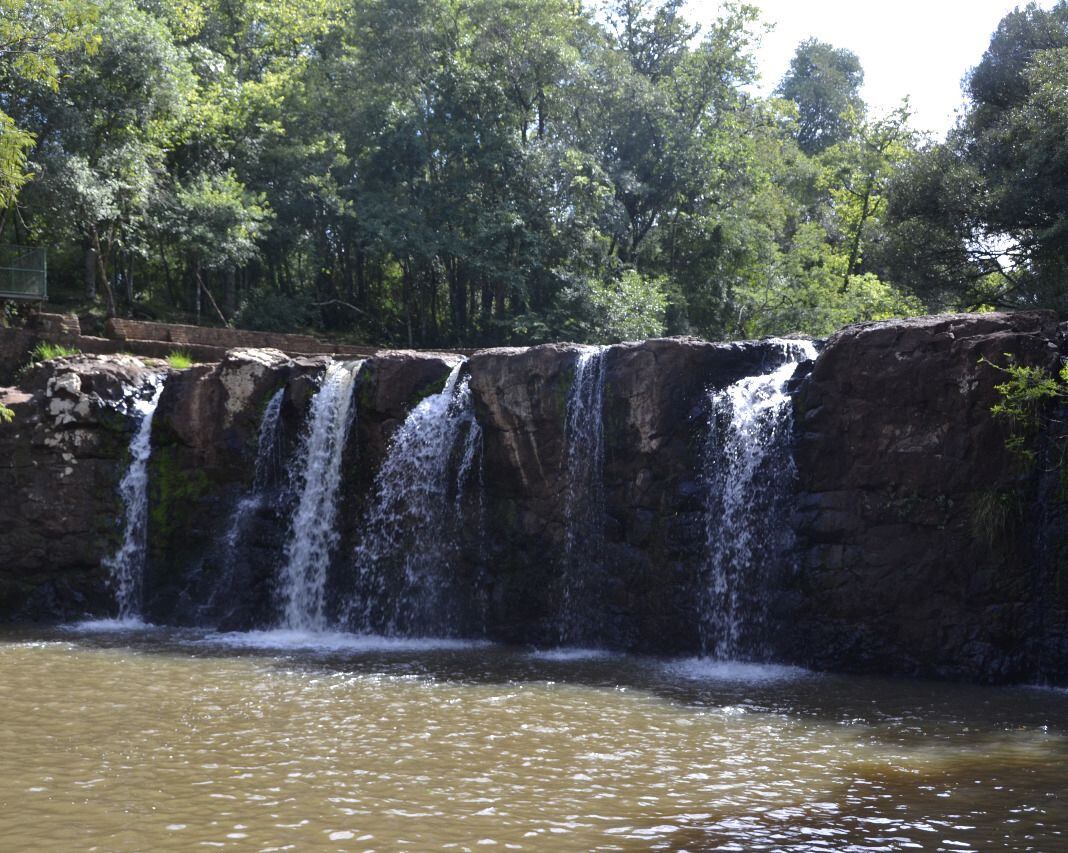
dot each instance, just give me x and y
(391, 383)
(203, 454)
(921, 545)
(61, 460)
(916, 526)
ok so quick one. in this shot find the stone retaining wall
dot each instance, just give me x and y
(158, 340)
(184, 336)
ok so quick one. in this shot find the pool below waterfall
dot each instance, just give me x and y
(121, 737)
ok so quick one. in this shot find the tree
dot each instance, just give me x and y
(983, 218)
(449, 172)
(103, 135)
(32, 37)
(859, 169)
(824, 82)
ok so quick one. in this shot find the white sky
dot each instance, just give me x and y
(919, 48)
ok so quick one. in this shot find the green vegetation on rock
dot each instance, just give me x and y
(179, 359)
(45, 351)
(1026, 396)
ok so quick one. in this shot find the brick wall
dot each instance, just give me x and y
(182, 335)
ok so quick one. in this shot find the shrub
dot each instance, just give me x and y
(1025, 394)
(994, 515)
(6, 415)
(179, 359)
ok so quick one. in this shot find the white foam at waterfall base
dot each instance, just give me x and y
(313, 535)
(126, 566)
(326, 642)
(411, 535)
(708, 669)
(748, 473)
(108, 626)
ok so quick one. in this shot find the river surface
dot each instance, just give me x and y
(153, 739)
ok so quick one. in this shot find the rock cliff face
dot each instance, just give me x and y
(921, 546)
(917, 528)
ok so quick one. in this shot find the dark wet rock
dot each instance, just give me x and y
(896, 451)
(205, 439)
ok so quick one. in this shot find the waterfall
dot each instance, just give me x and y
(312, 535)
(266, 466)
(748, 474)
(411, 535)
(472, 447)
(584, 499)
(227, 589)
(127, 565)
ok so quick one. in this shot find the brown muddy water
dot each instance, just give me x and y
(154, 739)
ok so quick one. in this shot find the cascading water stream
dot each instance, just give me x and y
(127, 565)
(748, 473)
(411, 536)
(472, 448)
(227, 585)
(266, 465)
(313, 533)
(584, 506)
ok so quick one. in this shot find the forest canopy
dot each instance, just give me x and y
(478, 172)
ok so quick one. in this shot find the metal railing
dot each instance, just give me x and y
(23, 273)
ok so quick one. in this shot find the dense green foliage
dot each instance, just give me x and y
(446, 172)
(983, 218)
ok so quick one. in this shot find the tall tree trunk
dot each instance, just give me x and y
(487, 303)
(198, 286)
(406, 288)
(109, 294)
(854, 249)
(168, 279)
(230, 293)
(127, 280)
(361, 279)
(203, 288)
(89, 268)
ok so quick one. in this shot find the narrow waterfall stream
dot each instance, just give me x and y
(127, 565)
(229, 587)
(748, 474)
(411, 534)
(584, 498)
(267, 463)
(313, 534)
